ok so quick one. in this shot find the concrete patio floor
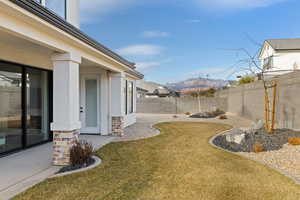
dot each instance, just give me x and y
(24, 169)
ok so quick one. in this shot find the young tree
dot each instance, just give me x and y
(253, 66)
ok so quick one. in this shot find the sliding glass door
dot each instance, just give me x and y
(37, 114)
(24, 107)
(10, 108)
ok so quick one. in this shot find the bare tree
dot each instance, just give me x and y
(252, 65)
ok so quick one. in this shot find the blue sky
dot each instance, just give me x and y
(171, 40)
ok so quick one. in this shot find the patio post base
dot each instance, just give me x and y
(118, 126)
(62, 144)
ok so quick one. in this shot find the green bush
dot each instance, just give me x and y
(246, 80)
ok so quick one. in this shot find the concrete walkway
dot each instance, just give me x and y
(24, 169)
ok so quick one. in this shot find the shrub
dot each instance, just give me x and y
(246, 80)
(258, 147)
(187, 113)
(223, 117)
(81, 153)
(218, 112)
(294, 141)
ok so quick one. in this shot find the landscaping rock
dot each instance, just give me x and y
(235, 136)
(256, 126)
(243, 141)
(212, 114)
(202, 115)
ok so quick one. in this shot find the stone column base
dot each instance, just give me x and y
(118, 126)
(62, 143)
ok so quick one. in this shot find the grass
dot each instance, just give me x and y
(178, 164)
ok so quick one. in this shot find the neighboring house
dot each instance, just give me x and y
(280, 56)
(155, 90)
(141, 92)
(52, 73)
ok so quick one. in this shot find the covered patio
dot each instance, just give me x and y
(24, 169)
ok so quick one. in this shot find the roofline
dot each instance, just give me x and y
(262, 48)
(135, 73)
(144, 90)
(62, 24)
(278, 49)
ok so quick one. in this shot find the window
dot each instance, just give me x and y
(268, 62)
(57, 6)
(10, 108)
(129, 97)
(125, 96)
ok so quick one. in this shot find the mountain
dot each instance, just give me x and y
(198, 83)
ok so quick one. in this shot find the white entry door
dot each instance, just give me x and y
(90, 104)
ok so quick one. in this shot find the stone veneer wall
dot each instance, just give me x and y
(118, 126)
(62, 143)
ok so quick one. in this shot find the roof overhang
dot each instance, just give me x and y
(45, 14)
(135, 74)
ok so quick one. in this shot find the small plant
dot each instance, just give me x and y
(294, 141)
(218, 112)
(223, 117)
(188, 113)
(258, 147)
(81, 153)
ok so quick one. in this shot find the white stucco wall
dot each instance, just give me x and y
(286, 61)
(129, 119)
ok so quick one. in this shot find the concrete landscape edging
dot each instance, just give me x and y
(296, 180)
(98, 161)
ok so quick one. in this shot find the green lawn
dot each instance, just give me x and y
(178, 164)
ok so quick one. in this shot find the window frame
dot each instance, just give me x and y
(43, 3)
(129, 97)
(24, 69)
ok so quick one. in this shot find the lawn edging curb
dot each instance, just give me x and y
(98, 161)
(296, 180)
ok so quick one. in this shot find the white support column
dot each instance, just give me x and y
(66, 122)
(117, 103)
(104, 103)
(73, 12)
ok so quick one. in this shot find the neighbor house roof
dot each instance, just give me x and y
(141, 89)
(62, 24)
(285, 44)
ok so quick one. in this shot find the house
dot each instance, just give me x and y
(155, 90)
(56, 82)
(280, 56)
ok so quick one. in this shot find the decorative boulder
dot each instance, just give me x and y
(235, 136)
(259, 125)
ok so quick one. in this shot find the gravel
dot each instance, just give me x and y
(212, 114)
(286, 159)
(90, 162)
(270, 142)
